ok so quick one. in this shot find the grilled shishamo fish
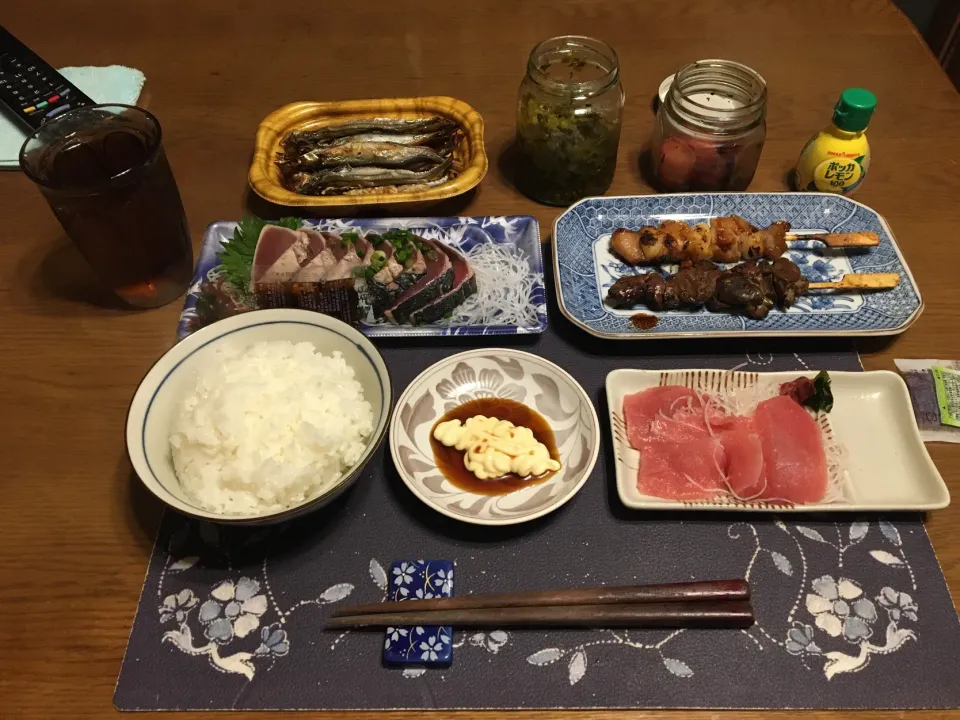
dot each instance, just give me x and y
(303, 140)
(345, 178)
(369, 153)
(362, 154)
(724, 239)
(432, 139)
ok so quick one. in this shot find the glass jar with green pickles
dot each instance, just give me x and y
(568, 120)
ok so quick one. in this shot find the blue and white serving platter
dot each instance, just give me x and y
(464, 233)
(585, 268)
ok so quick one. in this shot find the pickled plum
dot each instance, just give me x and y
(676, 165)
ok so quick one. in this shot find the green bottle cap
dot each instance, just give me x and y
(853, 110)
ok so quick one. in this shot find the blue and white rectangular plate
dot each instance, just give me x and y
(586, 268)
(464, 233)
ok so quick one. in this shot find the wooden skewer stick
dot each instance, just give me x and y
(854, 239)
(861, 281)
(710, 614)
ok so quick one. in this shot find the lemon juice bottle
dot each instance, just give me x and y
(837, 158)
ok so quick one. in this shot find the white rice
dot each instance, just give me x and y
(267, 427)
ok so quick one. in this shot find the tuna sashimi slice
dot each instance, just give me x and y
(681, 471)
(793, 455)
(464, 285)
(436, 280)
(643, 411)
(279, 254)
(323, 258)
(744, 460)
(346, 257)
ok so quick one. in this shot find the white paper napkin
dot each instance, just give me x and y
(111, 84)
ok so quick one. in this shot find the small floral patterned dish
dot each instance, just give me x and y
(504, 373)
(426, 644)
(585, 268)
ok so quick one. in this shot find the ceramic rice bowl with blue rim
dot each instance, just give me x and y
(585, 267)
(160, 393)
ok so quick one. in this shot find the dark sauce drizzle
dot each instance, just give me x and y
(450, 460)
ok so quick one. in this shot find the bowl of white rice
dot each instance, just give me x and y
(260, 417)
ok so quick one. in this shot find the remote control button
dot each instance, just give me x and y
(41, 105)
(53, 99)
(29, 109)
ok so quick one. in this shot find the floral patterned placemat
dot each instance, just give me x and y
(853, 612)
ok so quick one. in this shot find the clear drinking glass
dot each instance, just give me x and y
(103, 171)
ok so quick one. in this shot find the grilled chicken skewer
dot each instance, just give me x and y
(753, 287)
(723, 239)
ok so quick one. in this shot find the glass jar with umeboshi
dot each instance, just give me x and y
(710, 128)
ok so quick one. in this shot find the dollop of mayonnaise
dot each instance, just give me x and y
(493, 447)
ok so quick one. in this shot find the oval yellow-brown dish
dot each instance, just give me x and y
(470, 158)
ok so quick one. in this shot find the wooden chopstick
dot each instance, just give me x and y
(860, 281)
(854, 239)
(629, 594)
(700, 614)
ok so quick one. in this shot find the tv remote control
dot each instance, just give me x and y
(32, 91)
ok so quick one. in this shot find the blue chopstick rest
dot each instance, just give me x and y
(426, 645)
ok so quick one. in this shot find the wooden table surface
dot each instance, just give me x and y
(76, 529)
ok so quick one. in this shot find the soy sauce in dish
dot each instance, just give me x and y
(450, 460)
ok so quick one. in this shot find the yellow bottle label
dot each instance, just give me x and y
(838, 174)
(833, 161)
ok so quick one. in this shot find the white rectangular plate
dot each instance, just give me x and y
(888, 467)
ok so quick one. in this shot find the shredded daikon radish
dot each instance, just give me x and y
(504, 284)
